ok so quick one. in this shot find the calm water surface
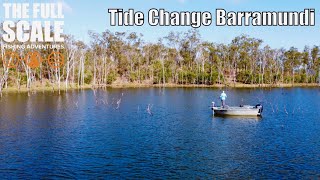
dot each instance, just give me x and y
(159, 133)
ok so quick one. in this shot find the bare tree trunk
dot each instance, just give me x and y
(203, 72)
(4, 79)
(292, 76)
(139, 77)
(69, 67)
(306, 70)
(163, 76)
(79, 71)
(263, 69)
(82, 69)
(67, 75)
(94, 71)
(5, 70)
(282, 75)
(319, 76)
(59, 80)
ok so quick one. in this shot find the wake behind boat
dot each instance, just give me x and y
(242, 110)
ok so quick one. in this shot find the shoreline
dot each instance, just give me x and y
(236, 85)
(137, 85)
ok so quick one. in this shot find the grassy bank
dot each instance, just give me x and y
(45, 88)
(236, 85)
(169, 85)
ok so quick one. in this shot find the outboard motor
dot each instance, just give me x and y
(213, 105)
(260, 107)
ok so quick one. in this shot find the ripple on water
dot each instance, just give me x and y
(74, 135)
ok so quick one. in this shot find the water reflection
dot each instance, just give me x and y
(238, 118)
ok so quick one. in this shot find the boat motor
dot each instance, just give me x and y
(260, 107)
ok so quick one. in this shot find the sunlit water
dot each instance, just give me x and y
(159, 133)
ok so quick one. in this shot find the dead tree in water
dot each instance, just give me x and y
(149, 109)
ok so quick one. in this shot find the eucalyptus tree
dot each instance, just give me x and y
(173, 41)
(243, 59)
(305, 64)
(315, 63)
(238, 52)
(293, 58)
(4, 70)
(268, 66)
(161, 56)
(80, 56)
(134, 55)
(70, 51)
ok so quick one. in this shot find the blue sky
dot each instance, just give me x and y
(81, 16)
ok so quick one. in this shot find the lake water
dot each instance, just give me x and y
(113, 134)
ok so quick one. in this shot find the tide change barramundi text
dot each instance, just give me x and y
(196, 19)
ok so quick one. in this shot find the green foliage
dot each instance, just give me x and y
(111, 77)
(133, 76)
(23, 80)
(88, 78)
(244, 77)
(180, 58)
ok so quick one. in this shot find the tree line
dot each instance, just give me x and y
(180, 58)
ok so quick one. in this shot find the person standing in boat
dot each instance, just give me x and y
(223, 98)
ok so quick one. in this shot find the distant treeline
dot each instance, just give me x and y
(178, 58)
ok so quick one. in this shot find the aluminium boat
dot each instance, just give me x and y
(242, 110)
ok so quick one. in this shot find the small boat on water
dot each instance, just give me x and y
(242, 110)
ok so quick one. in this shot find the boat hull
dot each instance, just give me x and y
(238, 111)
